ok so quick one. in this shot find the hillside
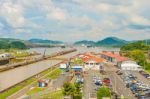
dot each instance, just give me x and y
(84, 42)
(41, 41)
(139, 45)
(6, 43)
(147, 41)
(111, 41)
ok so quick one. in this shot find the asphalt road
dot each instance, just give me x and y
(58, 83)
(89, 86)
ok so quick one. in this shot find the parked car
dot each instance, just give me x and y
(99, 83)
(106, 81)
(119, 72)
(132, 77)
(142, 72)
(146, 75)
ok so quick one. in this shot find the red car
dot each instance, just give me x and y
(106, 81)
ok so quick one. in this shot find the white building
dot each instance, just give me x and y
(130, 65)
(64, 65)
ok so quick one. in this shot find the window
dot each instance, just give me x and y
(97, 64)
(91, 63)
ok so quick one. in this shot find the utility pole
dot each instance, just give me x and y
(44, 53)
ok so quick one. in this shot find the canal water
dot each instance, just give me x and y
(14, 76)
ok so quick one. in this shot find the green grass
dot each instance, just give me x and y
(148, 71)
(54, 74)
(35, 90)
(21, 54)
(53, 95)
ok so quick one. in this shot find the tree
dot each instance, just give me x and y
(103, 92)
(78, 94)
(68, 89)
(77, 61)
(18, 45)
(4, 45)
(73, 90)
(138, 56)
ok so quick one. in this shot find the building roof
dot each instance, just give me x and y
(116, 56)
(110, 54)
(120, 58)
(87, 57)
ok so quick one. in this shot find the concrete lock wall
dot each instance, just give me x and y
(14, 76)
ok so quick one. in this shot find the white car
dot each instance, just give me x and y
(148, 77)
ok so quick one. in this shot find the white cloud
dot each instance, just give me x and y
(57, 14)
(13, 13)
(91, 19)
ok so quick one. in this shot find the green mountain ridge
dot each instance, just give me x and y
(113, 41)
(85, 42)
(109, 41)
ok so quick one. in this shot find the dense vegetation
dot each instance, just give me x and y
(8, 43)
(12, 45)
(103, 92)
(73, 90)
(138, 56)
(17, 45)
(134, 46)
(4, 45)
(136, 51)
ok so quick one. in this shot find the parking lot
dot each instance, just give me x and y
(117, 83)
(141, 78)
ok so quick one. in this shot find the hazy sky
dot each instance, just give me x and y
(71, 20)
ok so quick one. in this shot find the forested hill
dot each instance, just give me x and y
(139, 45)
(7, 43)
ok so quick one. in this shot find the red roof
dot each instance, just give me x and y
(120, 59)
(110, 54)
(117, 57)
(87, 57)
(41, 80)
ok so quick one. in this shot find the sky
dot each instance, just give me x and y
(73, 20)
